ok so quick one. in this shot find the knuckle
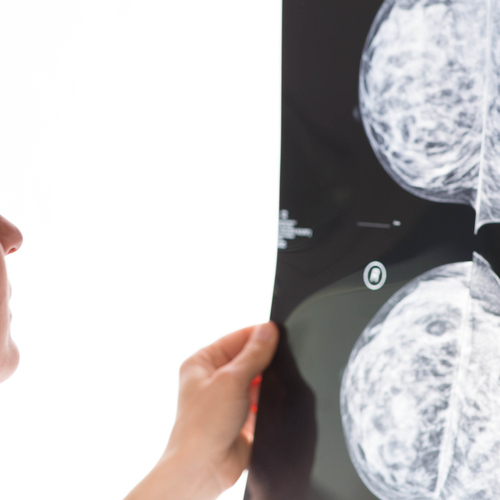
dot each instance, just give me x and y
(230, 377)
(186, 366)
(255, 350)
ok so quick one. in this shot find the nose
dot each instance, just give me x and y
(11, 238)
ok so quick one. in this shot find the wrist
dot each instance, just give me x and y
(186, 476)
(177, 476)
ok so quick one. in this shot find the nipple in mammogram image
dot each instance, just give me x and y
(429, 99)
(420, 396)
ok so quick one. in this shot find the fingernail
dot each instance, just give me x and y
(253, 408)
(256, 381)
(265, 331)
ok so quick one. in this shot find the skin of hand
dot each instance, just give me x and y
(10, 240)
(211, 441)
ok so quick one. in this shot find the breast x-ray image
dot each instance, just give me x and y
(386, 381)
(420, 397)
(429, 99)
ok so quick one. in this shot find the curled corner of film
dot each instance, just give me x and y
(429, 100)
(420, 396)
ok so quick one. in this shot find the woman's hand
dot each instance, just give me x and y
(211, 441)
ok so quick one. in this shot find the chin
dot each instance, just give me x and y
(9, 360)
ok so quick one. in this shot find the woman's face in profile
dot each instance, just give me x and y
(10, 241)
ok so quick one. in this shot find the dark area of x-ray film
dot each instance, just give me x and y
(386, 381)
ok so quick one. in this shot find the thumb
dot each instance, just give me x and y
(257, 352)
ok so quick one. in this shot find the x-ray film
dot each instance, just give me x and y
(386, 380)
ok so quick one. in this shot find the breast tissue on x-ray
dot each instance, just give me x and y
(429, 99)
(420, 396)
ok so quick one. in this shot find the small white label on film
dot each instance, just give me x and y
(288, 231)
(374, 275)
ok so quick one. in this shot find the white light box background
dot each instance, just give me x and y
(139, 153)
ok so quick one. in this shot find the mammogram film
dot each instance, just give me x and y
(429, 99)
(420, 397)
